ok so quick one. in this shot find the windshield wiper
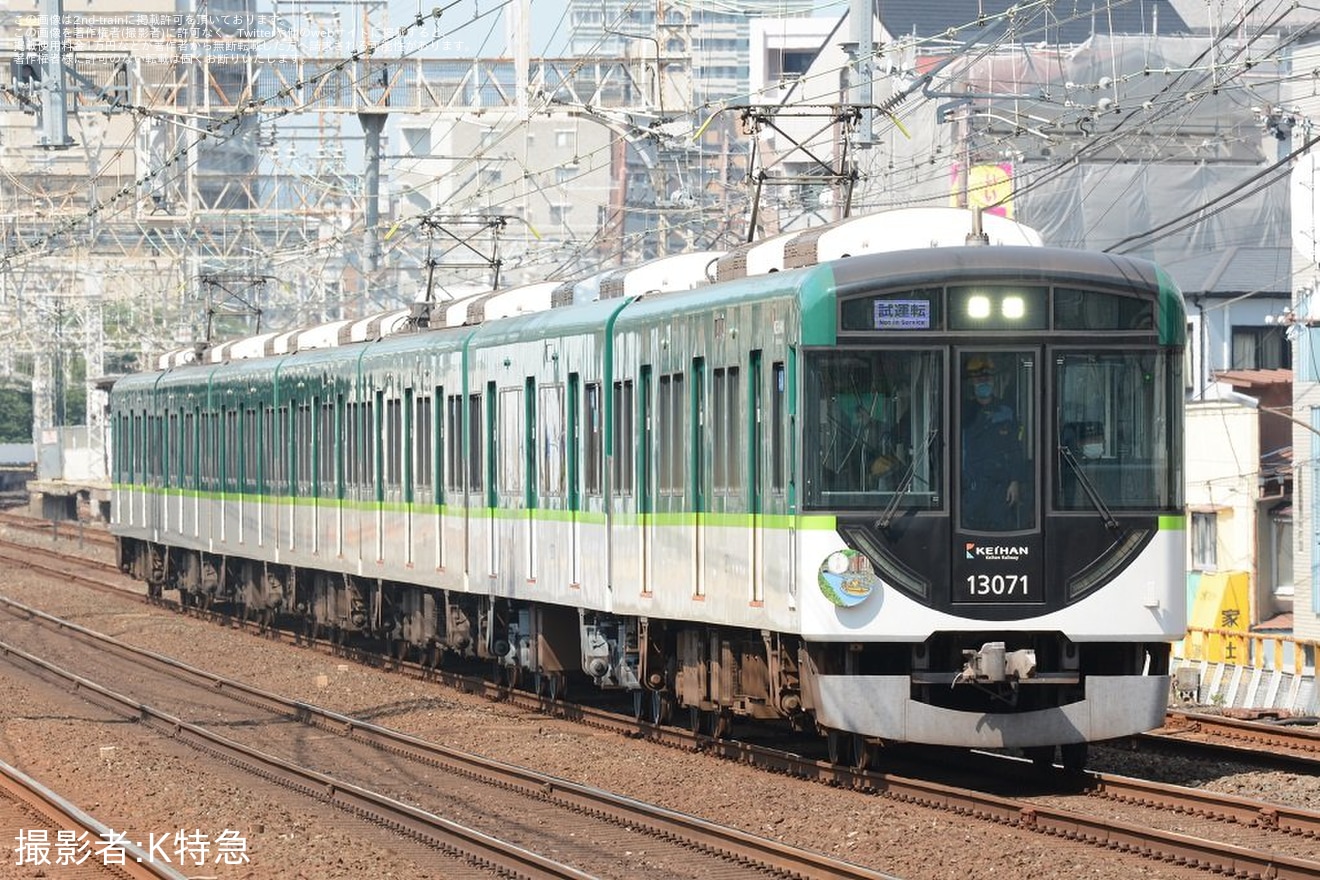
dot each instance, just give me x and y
(1089, 488)
(904, 484)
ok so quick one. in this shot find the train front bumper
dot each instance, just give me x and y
(881, 706)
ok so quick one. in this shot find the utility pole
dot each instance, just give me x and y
(862, 15)
(54, 100)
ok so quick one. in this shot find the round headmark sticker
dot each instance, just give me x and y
(846, 578)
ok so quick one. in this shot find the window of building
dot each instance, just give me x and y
(1280, 561)
(1261, 348)
(1205, 534)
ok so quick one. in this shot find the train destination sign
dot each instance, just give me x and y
(902, 314)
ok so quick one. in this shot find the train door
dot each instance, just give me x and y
(173, 501)
(530, 496)
(301, 451)
(573, 491)
(644, 477)
(158, 480)
(288, 456)
(510, 495)
(229, 464)
(1000, 553)
(191, 478)
(753, 457)
(697, 442)
(402, 449)
(473, 484)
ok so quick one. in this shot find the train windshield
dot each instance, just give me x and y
(872, 429)
(996, 440)
(1113, 431)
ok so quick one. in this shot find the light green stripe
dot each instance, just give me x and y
(543, 514)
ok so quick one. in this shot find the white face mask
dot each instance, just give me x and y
(1093, 450)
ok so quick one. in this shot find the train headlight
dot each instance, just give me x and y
(978, 306)
(1013, 307)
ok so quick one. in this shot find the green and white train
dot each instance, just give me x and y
(751, 497)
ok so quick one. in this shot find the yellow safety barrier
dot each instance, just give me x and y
(1245, 648)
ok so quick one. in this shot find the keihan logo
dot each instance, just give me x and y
(995, 551)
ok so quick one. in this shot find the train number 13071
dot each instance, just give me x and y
(997, 585)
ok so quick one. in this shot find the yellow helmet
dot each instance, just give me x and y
(980, 365)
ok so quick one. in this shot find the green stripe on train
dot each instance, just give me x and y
(810, 522)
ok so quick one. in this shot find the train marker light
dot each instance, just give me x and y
(978, 306)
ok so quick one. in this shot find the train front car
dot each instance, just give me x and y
(996, 436)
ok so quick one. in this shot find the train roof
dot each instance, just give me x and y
(887, 231)
(525, 315)
(676, 272)
(897, 230)
(903, 237)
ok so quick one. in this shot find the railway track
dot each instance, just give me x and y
(1188, 733)
(57, 530)
(1185, 826)
(576, 822)
(1286, 746)
(78, 844)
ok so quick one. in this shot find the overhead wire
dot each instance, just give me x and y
(1010, 33)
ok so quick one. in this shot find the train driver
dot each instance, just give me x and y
(993, 462)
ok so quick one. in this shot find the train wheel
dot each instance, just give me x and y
(662, 707)
(1073, 756)
(863, 751)
(696, 719)
(721, 723)
(834, 742)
